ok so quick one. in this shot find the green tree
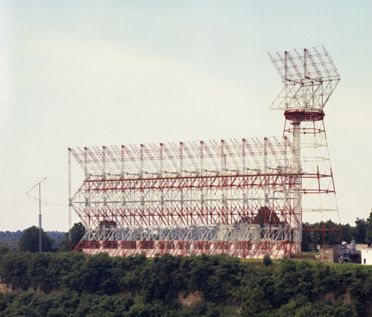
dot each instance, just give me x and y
(30, 241)
(255, 302)
(346, 233)
(37, 271)
(369, 229)
(77, 232)
(13, 270)
(360, 230)
(267, 260)
(160, 280)
(97, 276)
(67, 270)
(4, 249)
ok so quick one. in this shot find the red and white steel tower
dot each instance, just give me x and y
(238, 197)
(309, 78)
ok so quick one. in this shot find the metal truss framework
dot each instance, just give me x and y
(309, 79)
(231, 197)
(244, 198)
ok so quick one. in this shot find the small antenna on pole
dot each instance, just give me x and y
(40, 217)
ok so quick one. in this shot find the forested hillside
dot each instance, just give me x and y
(71, 284)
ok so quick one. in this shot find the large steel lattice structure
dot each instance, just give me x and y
(309, 78)
(239, 197)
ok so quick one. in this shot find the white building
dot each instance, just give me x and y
(367, 256)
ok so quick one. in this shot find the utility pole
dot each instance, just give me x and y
(40, 218)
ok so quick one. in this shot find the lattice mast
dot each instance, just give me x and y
(309, 78)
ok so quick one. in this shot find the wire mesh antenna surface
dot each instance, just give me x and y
(309, 78)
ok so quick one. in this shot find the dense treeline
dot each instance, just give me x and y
(312, 234)
(11, 239)
(71, 284)
(52, 241)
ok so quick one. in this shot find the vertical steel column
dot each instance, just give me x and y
(69, 199)
(40, 226)
(297, 202)
(161, 159)
(122, 161)
(142, 209)
(201, 173)
(87, 199)
(266, 188)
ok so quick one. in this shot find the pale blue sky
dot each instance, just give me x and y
(116, 72)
